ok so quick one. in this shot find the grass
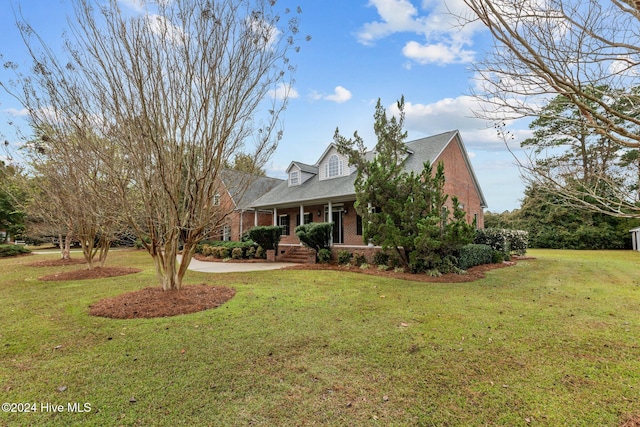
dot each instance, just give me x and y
(552, 341)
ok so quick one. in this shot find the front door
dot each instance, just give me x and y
(338, 230)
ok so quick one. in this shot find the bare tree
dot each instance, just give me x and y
(170, 96)
(586, 52)
(70, 195)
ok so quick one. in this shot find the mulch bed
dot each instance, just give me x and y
(473, 273)
(96, 273)
(58, 262)
(154, 302)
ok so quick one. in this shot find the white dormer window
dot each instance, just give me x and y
(294, 178)
(333, 167)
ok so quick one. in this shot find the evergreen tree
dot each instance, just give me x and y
(400, 210)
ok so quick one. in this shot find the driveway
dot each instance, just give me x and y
(234, 267)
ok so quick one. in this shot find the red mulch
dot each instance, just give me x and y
(96, 273)
(473, 273)
(154, 302)
(58, 262)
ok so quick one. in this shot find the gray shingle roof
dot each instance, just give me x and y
(314, 190)
(304, 167)
(254, 186)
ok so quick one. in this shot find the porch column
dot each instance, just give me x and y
(241, 224)
(330, 219)
(275, 216)
(301, 218)
(255, 217)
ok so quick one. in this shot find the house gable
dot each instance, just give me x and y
(299, 173)
(333, 164)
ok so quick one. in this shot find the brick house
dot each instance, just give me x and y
(237, 190)
(325, 192)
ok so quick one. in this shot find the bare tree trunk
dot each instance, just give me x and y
(65, 245)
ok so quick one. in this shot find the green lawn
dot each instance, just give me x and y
(552, 341)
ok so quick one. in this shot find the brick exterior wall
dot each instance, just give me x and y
(459, 182)
(241, 222)
(349, 222)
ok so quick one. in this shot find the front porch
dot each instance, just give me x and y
(347, 228)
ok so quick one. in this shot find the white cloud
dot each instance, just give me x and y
(283, 90)
(438, 53)
(135, 5)
(397, 16)
(162, 27)
(339, 95)
(457, 114)
(15, 112)
(445, 41)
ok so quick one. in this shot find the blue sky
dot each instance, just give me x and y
(360, 50)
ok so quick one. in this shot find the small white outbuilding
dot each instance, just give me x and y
(635, 238)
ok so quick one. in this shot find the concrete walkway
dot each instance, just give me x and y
(213, 267)
(234, 267)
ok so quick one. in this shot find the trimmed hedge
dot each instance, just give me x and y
(474, 254)
(505, 241)
(267, 237)
(12, 250)
(316, 235)
(221, 249)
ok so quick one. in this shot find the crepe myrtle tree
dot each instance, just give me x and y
(171, 94)
(573, 63)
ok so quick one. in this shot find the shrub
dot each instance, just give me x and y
(344, 257)
(251, 252)
(267, 238)
(12, 250)
(498, 257)
(237, 253)
(503, 240)
(381, 258)
(475, 254)
(315, 235)
(364, 266)
(324, 256)
(359, 259)
(261, 253)
(383, 267)
(223, 252)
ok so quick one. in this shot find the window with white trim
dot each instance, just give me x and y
(216, 200)
(283, 221)
(333, 167)
(294, 178)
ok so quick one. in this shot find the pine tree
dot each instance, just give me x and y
(403, 211)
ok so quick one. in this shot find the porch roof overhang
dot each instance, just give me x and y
(311, 192)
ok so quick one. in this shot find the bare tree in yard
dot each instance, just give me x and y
(584, 55)
(173, 94)
(70, 194)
